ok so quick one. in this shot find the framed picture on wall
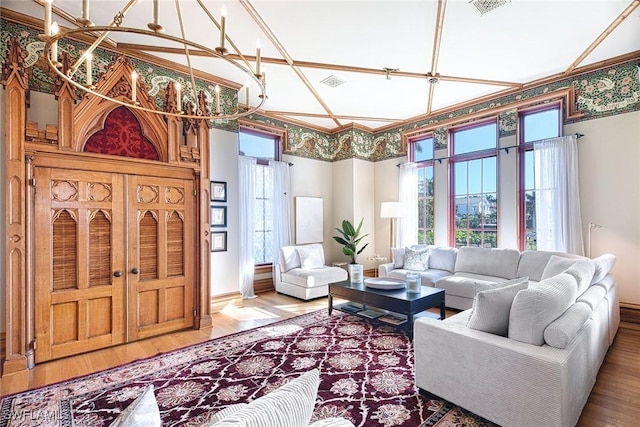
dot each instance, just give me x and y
(218, 216)
(218, 191)
(218, 241)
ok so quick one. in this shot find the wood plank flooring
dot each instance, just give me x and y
(614, 401)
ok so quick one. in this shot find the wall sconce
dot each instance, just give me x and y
(592, 226)
(392, 210)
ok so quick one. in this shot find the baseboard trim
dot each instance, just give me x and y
(219, 302)
(630, 313)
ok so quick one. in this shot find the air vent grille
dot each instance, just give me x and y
(486, 6)
(332, 81)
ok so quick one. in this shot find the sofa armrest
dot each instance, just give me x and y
(385, 269)
(481, 372)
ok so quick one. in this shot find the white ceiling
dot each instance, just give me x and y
(517, 43)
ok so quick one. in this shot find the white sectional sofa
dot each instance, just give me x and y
(301, 272)
(526, 351)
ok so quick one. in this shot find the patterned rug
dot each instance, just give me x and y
(366, 371)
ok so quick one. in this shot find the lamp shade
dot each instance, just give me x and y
(391, 210)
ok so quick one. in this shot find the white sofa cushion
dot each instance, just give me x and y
(416, 259)
(143, 412)
(557, 265)
(315, 277)
(443, 258)
(488, 261)
(540, 304)
(532, 263)
(592, 296)
(465, 284)
(289, 258)
(563, 330)
(398, 257)
(603, 265)
(290, 405)
(582, 270)
(490, 311)
(311, 256)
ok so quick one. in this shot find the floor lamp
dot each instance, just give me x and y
(592, 226)
(393, 211)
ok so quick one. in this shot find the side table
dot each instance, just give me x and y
(377, 260)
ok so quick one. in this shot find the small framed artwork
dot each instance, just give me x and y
(218, 216)
(218, 191)
(218, 241)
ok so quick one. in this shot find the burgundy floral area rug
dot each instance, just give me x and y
(366, 371)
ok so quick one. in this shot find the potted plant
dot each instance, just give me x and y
(350, 239)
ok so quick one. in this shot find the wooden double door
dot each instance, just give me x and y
(114, 258)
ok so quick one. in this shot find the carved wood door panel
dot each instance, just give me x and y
(161, 230)
(114, 260)
(79, 247)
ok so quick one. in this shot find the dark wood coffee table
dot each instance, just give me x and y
(396, 300)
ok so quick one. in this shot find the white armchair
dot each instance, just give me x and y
(301, 272)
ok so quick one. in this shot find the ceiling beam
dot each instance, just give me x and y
(625, 13)
(280, 47)
(435, 53)
(318, 65)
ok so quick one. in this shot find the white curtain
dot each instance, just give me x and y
(247, 166)
(558, 220)
(407, 234)
(281, 212)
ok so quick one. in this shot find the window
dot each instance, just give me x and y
(421, 152)
(474, 201)
(265, 147)
(535, 125)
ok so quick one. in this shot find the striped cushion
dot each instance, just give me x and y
(535, 308)
(561, 331)
(291, 405)
(226, 412)
(490, 311)
(143, 412)
(583, 272)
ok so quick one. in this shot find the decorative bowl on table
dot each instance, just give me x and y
(384, 283)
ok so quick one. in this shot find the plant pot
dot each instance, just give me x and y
(356, 273)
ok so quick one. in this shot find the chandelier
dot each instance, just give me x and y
(83, 81)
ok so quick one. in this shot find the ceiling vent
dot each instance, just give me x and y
(332, 81)
(486, 6)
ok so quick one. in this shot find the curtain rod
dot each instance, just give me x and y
(506, 149)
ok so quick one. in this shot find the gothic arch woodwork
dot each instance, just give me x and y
(83, 212)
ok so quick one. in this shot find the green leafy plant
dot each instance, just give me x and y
(350, 239)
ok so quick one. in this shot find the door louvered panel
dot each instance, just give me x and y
(161, 294)
(80, 304)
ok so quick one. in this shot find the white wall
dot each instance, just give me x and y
(43, 110)
(609, 154)
(223, 155)
(364, 208)
(385, 185)
(508, 194)
(342, 194)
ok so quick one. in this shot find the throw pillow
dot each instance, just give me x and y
(226, 412)
(582, 270)
(332, 422)
(291, 405)
(561, 331)
(398, 257)
(603, 265)
(557, 265)
(311, 256)
(490, 311)
(143, 412)
(534, 308)
(416, 259)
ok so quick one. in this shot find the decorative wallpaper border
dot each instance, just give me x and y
(601, 93)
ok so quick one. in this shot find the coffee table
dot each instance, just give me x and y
(396, 300)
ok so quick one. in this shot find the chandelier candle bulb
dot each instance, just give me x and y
(87, 64)
(47, 17)
(85, 9)
(257, 57)
(134, 86)
(217, 99)
(223, 23)
(54, 46)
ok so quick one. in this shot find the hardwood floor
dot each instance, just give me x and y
(614, 401)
